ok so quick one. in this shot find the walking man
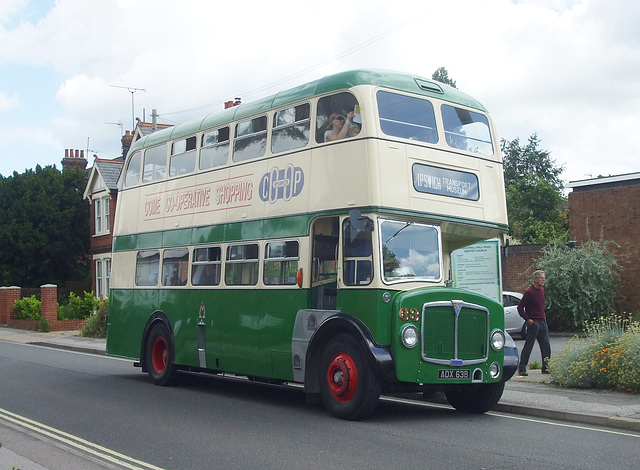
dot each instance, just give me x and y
(531, 308)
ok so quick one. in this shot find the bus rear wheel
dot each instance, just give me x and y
(349, 385)
(475, 398)
(159, 356)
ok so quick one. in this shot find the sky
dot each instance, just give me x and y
(72, 70)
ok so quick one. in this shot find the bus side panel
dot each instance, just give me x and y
(124, 332)
(278, 310)
(367, 305)
(235, 318)
(183, 316)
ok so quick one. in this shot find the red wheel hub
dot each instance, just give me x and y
(342, 377)
(159, 354)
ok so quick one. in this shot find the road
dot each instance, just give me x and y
(209, 423)
(557, 343)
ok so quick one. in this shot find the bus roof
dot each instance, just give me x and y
(331, 83)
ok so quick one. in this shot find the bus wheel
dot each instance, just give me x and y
(475, 398)
(349, 385)
(159, 356)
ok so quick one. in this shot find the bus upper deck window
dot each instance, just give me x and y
(214, 150)
(155, 163)
(132, 176)
(183, 156)
(250, 139)
(467, 130)
(407, 117)
(341, 105)
(291, 128)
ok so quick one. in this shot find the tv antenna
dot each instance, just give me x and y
(91, 150)
(131, 90)
(119, 123)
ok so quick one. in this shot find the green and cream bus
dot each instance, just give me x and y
(249, 243)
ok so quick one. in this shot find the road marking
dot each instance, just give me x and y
(76, 442)
(565, 425)
(520, 418)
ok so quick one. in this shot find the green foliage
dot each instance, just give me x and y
(45, 225)
(442, 75)
(582, 283)
(535, 200)
(96, 325)
(78, 308)
(609, 356)
(29, 308)
(44, 325)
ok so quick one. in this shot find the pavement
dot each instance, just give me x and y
(533, 395)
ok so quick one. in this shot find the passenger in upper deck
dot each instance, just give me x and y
(338, 126)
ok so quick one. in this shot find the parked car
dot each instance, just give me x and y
(513, 322)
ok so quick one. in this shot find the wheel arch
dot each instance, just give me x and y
(379, 356)
(156, 317)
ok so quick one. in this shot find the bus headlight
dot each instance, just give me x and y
(409, 336)
(494, 370)
(497, 340)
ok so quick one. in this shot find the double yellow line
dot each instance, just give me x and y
(93, 450)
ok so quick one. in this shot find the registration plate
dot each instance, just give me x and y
(455, 374)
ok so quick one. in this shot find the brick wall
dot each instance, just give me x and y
(49, 299)
(518, 264)
(613, 211)
(8, 296)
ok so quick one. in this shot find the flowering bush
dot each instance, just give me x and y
(625, 363)
(609, 356)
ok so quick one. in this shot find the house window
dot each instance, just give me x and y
(102, 215)
(99, 280)
(103, 277)
(107, 276)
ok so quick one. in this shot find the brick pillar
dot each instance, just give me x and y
(49, 297)
(8, 296)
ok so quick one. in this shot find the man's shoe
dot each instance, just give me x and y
(545, 371)
(523, 373)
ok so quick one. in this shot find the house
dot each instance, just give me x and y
(102, 192)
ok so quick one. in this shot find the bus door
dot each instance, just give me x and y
(325, 234)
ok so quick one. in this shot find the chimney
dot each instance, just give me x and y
(127, 139)
(74, 159)
(154, 120)
(232, 103)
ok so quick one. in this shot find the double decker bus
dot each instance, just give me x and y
(252, 243)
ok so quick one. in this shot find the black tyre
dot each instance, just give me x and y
(160, 356)
(349, 385)
(475, 398)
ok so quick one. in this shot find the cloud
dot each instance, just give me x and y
(566, 69)
(8, 102)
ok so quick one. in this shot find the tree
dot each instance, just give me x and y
(442, 75)
(536, 204)
(44, 227)
(582, 283)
